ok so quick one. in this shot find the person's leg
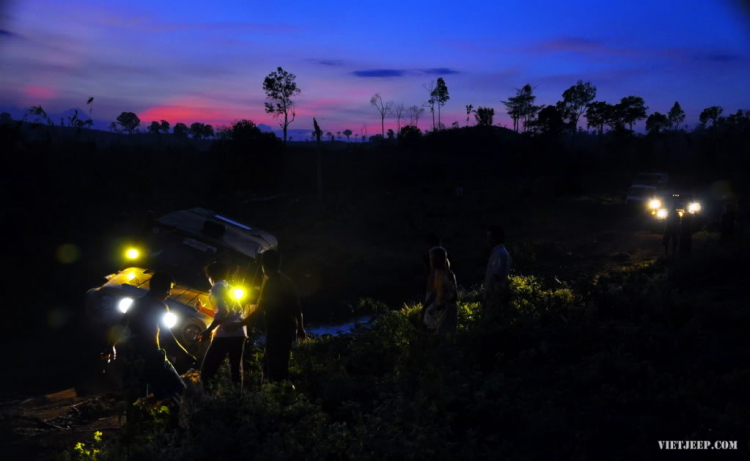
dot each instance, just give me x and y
(235, 352)
(277, 358)
(213, 360)
(165, 380)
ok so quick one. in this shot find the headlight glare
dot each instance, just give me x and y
(654, 204)
(662, 213)
(694, 207)
(169, 320)
(124, 304)
(239, 293)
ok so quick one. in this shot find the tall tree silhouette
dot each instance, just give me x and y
(398, 111)
(676, 116)
(549, 122)
(631, 109)
(656, 122)
(415, 112)
(164, 126)
(440, 96)
(521, 106)
(598, 114)
(469, 110)
(347, 132)
(430, 87)
(383, 108)
(280, 87)
(128, 121)
(710, 114)
(574, 103)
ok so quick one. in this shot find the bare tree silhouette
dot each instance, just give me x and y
(384, 108)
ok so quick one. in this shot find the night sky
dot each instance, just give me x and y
(198, 61)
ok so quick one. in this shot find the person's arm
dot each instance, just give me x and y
(453, 298)
(221, 315)
(253, 316)
(110, 352)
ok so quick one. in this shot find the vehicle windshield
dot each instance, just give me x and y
(185, 259)
(185, 262)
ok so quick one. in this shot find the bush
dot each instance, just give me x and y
(590, 370)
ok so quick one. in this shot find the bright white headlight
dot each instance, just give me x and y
(654, 204)
(662, 213)
(169, 320)
(694, 207)
(124, 304)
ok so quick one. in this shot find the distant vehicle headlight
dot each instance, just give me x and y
(681, 213)
(654, 204)
(124, 304)
(662, 213)
(132, 253)
(694, 207)
(169, 320)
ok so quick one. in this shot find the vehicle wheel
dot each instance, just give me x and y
(188, 337)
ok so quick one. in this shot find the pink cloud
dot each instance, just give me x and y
(189, 110)
(38, 92)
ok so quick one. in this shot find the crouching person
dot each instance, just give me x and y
(279, 307)
(144, 320)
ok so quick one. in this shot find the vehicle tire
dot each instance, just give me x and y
(188, 337)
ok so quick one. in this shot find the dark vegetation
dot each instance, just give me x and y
(597, 356)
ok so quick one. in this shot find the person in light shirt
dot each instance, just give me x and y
(226, 341)
(496, 290)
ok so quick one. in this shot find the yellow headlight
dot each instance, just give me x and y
(681, 213)
(239, 293)
(694, 207)
(132, 253)
(662, 213)
(654, 204)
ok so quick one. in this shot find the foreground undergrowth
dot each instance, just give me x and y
(603, 369)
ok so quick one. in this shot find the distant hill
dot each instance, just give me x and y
(105, 139)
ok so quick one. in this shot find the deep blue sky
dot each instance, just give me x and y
(198, 61)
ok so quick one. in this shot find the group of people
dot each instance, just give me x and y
(678, 231)
(440, 306)
(278, 307)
